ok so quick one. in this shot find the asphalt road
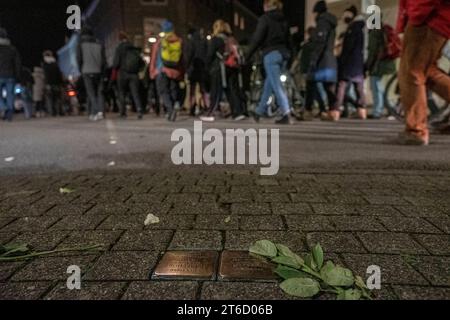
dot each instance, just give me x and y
(72, 144)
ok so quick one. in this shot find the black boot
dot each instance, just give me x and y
(285, 120)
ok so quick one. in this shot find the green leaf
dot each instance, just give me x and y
(309, 261)
(359, 282)
(285, 251)
(264, 248)
(350, 295)
(301, 287)
(337, 276)
(287, 273)
(287, 261)
(16, 250)
(317, 253)
(2, 249)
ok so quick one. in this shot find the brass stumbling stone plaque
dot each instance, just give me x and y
(195, 265)
(240, 265)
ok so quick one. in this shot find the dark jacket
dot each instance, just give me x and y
(322, 55)
(120, 55)
(351, 61)
(10, 65)
(91, 56)
(375, 65)
(53, 75)
(216, 45)
(305, 56)
(272, 33)
(197, 49)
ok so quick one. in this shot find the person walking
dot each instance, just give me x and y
(426, 27)
(351, 64)
(272, 36)
(128, 63)
(167, 67)
(379, 65)
(92, 63)
(323, 64)
(10, 69)
(39, 91)
(53, 84)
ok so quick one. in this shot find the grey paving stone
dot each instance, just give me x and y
(443, 223)
(335, 209)
(408, 225)
(280, 189)
(166, 189)
(132, 222)
(435, 269)
(5, 221)
(386, 200)
(31, 224)
(425, 201)
(355, 223)
(149, 208)
(235, 198)
(394, 270)
(421, 211)
(346, 199)
(189, 209)
(27, 210)
(196, 240)
(335, 242)
(7, 269)
(272, 198)
(69, 210)
(23, 290)
(105, 197)
(41, 241)
(197, 189)
(93, 291)
(147, 198)
(291, 209)
(390, 243)
(184, 198)
(144, 241)
(117, 208)
(309, 223)
(123, 266)
(217, 222)
(250, 209)
(308, 198)
(261, 223)
(233, 291)
(166, 290)
(91, 238)
(52, 268)
(422, 293)
(242, 240)
(6, 237)
(377, 210)
(89, 222)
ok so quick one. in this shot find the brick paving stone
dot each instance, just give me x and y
(90, 222)
(309, 198)
(5, 221)
(91, 238)
(146, 198)
(165, 189)
(109, 209)
(386, 200)
(381, 211)
(250, 209)
(57, 198)
(189, 209)
(93, 291)
(421, 211)
(217, 222)
(41, 241)
(23, 291)
(235, 198)
(233, 291)
(272, 198)
(129, 222)
(261, 223)
(6, 237)
(52, 268)
(196, 240)
(147, 208)
(162, 290)
(7, 269)
(436, 244)
(422, 293)
(242, 240)
(148, 240)
(335, 242)
(345, 199)
(442, 223)
(280, 189)
(28, 211)
(31, 224)
(184, 198)
(123, 266)
(435, 269)
(425, 201)
(291, 209)
(379, 192)
(394, 270)
(335, 209)
(309, 223)
(354, 223)
(69, 210)
(408, 225)
(197, 189)
(390, 243)
(105, 197)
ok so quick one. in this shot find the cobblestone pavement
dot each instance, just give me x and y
(399, 220)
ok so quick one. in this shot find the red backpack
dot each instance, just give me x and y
(393, 43)
(233, 57)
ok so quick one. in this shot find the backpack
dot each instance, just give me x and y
(133, 62)
(171, 52)
(233, 55)
(393, 43)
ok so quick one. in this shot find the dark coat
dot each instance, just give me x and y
(53, 75)
(376, 66)
(351, 61)
(323, 40)
(216, 46)
(10, 65)
(272, 33)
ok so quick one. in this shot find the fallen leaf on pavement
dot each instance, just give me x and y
(65, 190)
(151, 219)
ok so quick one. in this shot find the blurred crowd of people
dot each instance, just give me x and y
(330, 71)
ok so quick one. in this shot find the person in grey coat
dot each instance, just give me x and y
(92, 63)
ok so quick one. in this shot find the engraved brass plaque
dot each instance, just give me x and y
(187, 265)
(240, 265)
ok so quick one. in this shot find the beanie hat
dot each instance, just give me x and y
(167, 26)
(320, 7)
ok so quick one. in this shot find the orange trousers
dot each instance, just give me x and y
(419, 71)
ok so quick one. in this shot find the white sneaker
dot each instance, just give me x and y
(207, 119)
(99, 116)
(92, 117)
(240, 118)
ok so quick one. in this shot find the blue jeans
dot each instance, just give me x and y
(378, 95)
(274, 63)
(8, 85)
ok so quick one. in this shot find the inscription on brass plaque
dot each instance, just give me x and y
(187, 265)
(240, 265)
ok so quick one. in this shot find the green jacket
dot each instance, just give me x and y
(375, 65)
